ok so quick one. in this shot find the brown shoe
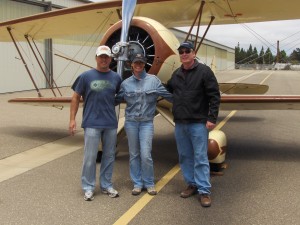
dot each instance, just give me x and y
(189, 191)
(205, 200)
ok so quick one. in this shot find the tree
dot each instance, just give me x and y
(294, 58)
(283, 57)
(237, 51)
(268, 57)
(249, 54)
(260, 59)
(254, 56)
(240, 54)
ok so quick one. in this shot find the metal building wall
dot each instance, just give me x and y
(69, 3)
(65, 70)
(223, 56)
(13, 74)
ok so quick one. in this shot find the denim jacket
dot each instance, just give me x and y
(141, 96)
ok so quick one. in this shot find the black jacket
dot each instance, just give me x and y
(196, 94)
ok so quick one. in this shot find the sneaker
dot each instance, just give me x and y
(110, 191)
(189, 191)
(204, 200)
(88, 196)
(151, 191)
(136, 191)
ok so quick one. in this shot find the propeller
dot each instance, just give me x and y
(120, 49)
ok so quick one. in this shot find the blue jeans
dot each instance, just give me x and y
(192, 144)
(92, 138)
(140, 135)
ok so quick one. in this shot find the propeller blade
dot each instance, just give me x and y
(128, 7)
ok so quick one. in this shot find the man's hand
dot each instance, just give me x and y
(210, 125)
(73, 112)
(72, 127)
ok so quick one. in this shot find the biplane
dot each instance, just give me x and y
(142, 26)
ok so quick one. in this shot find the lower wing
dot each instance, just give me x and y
(228, 102)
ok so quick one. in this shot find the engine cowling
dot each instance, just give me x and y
(150, 38)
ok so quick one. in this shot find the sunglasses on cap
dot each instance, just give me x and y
(186, 51)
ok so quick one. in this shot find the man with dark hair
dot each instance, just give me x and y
(196, 100)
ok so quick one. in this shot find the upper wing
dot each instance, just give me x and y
(84, 19)
(63, 22)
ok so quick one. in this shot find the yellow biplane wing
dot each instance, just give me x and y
(171, 13)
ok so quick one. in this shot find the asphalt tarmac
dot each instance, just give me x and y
(40, 172)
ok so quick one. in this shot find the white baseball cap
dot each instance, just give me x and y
(103, 50)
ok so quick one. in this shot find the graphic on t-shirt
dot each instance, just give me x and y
(99, 85)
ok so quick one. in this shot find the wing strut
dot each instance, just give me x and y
(48, 81)
(48, 70)
(24, 63)
(198, 16)
(211, 20)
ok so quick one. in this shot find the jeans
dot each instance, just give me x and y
(92, 138)
(140, 135)
(192, 145)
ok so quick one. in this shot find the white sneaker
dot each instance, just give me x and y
(151, 191)
(110, 191)
(88, 196)
(136, 191)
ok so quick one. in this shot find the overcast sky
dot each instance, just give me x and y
(264, 34)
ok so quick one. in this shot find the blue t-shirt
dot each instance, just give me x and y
(98, 90)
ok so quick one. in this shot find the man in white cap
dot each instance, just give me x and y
(97, 87)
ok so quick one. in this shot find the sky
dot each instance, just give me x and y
(263, 34)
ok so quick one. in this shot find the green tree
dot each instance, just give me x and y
(254, 56)
(240, 54)
(294, 57)
(268, 57)
(260, 59)
(283, 57)
(243, 56)
(237, 51)
(249, 54)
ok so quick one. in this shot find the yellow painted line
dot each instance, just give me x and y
(143, 201)
(223, 122)
(30, 159)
